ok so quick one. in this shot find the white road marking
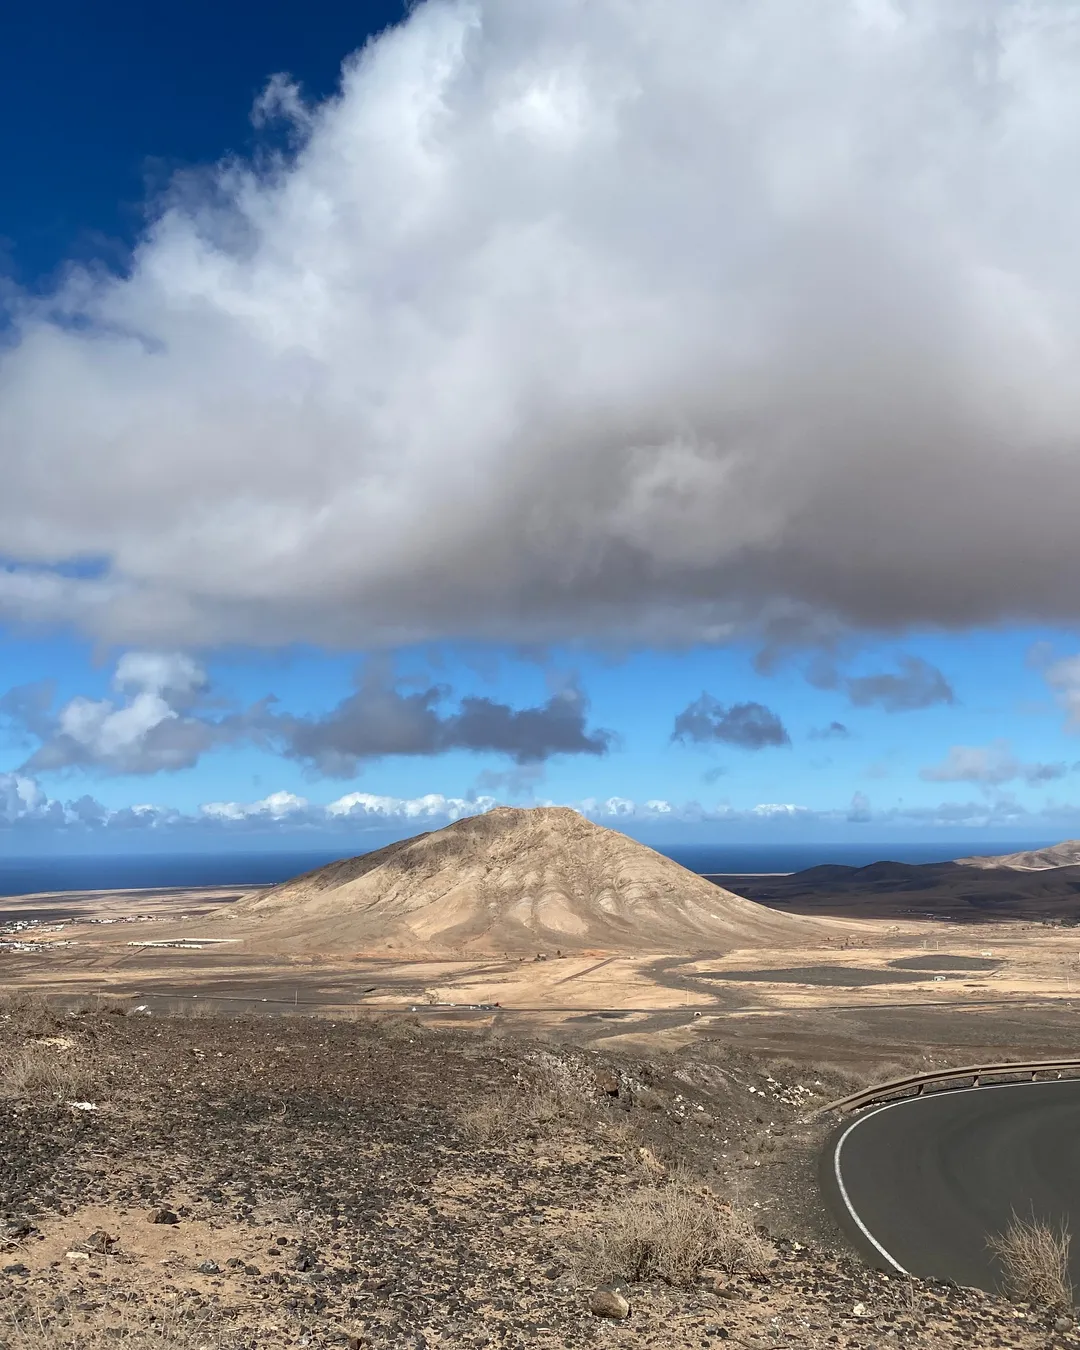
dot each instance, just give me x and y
(847, 1198)
(888, 1106)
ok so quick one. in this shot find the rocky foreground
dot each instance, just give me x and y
(249, 1183)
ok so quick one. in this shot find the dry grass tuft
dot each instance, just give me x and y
(38, 1331)
(491, 1119)
(43, 1071)
(672, 1233)
(397, 1029)
(1034, 1257)
(555, 1094)
(31, 1014)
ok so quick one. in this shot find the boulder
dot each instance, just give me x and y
(609, 1301)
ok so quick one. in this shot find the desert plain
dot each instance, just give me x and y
(852, 992)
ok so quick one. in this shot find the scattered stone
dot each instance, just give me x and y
(16, 1268)
(415, 1240)
(647, 1100)
(609, 1301)
(607, 1081)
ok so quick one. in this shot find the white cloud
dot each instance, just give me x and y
(150, 731)
(278, 806)
(25, 807)
(992, 764)
(431, 806)
(22, 800)
(609, 320)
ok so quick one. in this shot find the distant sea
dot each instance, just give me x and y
(26, 876)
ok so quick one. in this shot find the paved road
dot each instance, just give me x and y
(929, 1178)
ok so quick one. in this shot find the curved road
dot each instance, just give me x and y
(921, 1183)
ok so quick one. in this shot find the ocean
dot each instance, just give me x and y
(28, 876)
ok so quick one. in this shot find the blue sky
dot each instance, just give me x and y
(537, 406)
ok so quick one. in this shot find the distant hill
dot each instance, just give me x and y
(512, 880)
(975, 890)
(1066, 854)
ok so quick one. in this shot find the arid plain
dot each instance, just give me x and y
(851, 991)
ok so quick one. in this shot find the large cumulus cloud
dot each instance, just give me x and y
(586, 320)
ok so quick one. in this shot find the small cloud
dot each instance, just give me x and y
(521, 780)
(1063, 677)
(750, 726)
(859, 810)
(281, 101)
(991, 765)
(917, 684)
(835, 731)
(878, 768)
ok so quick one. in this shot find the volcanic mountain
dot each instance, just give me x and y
(513, 880)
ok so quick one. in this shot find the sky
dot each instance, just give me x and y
(666, 410)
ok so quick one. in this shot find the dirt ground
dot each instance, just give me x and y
(378, 1184)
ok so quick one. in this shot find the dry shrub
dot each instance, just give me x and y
(561, 1089)
(31, 1014)
(397, 1029)
(44, 1072)
(672, 1233)
(115, 1005)
(492, 1118)
(647, 1162)
(1034, 1257)
(557, 1094)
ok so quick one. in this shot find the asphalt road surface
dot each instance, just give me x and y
(922, 1183)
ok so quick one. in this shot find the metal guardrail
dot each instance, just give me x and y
(975, 1072)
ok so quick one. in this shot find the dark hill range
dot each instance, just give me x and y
(892, 890)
